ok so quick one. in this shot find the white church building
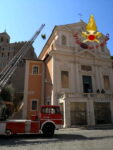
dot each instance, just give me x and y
(79, 74)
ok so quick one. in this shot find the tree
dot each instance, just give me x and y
(7, 93)
(111, 57)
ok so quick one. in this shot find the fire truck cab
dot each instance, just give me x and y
(50, 118)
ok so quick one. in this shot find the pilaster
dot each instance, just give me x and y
(66, 108)
(90, 113)
(77, 78)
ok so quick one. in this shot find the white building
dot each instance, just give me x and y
(79, 79)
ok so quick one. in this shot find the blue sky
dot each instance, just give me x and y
(21, 18)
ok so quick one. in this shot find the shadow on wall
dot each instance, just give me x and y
(48, 81)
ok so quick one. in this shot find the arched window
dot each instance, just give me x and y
(64, 40)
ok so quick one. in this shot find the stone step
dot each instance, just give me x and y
(102, 126)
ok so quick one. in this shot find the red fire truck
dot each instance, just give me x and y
(49, 119)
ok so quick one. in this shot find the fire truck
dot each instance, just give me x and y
(49, 118)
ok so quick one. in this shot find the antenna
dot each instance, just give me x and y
(80, 15)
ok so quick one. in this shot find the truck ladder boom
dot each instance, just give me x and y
(9, 69)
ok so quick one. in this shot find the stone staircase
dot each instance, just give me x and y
(96, 127)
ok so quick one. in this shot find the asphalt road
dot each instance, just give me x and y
(64, 139)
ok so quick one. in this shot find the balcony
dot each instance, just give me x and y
(87, 96)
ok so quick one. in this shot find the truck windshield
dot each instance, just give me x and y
(55, 110)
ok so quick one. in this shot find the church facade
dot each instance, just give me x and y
(78, 76)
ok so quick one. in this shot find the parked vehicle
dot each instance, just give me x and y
(49, 119)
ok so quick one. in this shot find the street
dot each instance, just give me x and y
(64, 139)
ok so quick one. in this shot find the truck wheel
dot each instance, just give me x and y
(48, 130)
(8, 132)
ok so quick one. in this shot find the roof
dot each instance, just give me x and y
(47, 41)
(5, 33)
(33, 59)
(55, 27)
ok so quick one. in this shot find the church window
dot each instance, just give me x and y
(87, 84)
(35, 69)
(106, 82)
(34, 105)
(64, 41)
(65, 79)
(86, 68)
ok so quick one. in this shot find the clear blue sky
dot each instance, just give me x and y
(21, 18)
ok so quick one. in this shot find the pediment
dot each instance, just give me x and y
(72, 27)
(86, 54)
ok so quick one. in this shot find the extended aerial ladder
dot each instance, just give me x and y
(9, 69)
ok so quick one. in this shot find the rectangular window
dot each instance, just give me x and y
(65, 79)
(55, 110)
(35, 70)
(86, 68)
(87, 84)
(106, 82)
(34, 105)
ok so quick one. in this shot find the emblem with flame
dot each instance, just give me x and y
(91, 34)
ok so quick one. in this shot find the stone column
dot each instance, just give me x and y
(97, 72)
(53, 97)
(66, 107)
(77, 78)
(94, 84)
(101, 78)
(90, 113)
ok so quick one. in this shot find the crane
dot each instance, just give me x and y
(10, 68)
